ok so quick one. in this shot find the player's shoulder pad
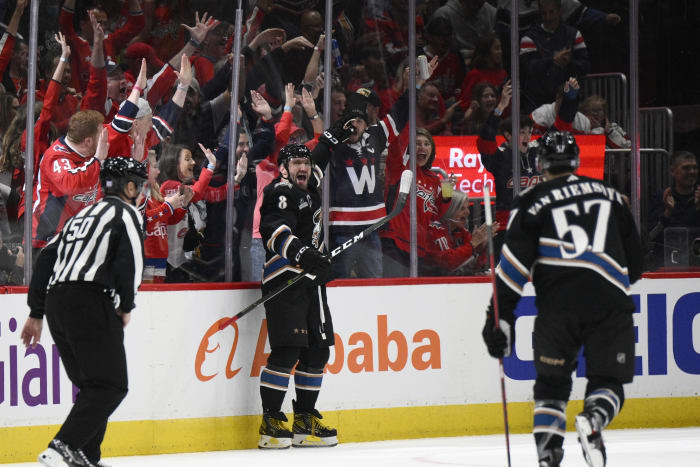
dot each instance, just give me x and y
(283, 183)
(525, 197)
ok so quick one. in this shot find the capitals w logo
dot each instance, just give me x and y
(367, 179)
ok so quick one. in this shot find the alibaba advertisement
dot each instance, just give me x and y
(459, 155)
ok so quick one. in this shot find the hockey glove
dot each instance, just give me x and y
(314, 262)
(339, 132)
(498, 341)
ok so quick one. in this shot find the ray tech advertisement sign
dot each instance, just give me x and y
(460, 156)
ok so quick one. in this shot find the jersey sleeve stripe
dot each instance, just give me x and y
(390, 119)
(384, 128)
(122, 124)
(286, 244)
(508, 281)
(552, 248)
(278, 231)
(510, 257)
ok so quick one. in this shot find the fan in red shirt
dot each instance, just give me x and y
(455, 251)
(213, 48)
(431, 203)
(135, 120)
(69, 175)
(113, 42)
(159, 212)
(14, 54)
(487, 65)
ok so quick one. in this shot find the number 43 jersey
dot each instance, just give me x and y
(576, 239)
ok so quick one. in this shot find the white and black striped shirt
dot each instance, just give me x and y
(102, 244)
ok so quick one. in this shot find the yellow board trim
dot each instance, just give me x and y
(23, 444)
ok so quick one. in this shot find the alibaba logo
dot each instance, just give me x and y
(361, 352)
(204, 350)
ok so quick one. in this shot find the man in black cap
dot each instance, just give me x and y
(373, 103)
(357, 200)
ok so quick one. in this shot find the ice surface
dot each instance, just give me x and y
(678, 447)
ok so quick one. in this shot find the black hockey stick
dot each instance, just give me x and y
(489, 229)
(404, 188)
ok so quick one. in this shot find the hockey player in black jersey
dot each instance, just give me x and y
(577, 238)
(85, 282)
(299, 323)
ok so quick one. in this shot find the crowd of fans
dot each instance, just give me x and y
(151, 79)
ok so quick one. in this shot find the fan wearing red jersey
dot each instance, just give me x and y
(159, 213)
(432, 203)
(135, 118)
(69, 175)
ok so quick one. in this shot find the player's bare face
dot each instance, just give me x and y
(185, 166)
(423, 150)
(300, 171)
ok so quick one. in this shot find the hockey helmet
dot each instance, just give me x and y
(293, 151)
(118, 171)
(558, 152)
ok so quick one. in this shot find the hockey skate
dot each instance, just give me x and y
(590, 437)
(60, 455)
(309, 432)
(551, 458)
(273, 433)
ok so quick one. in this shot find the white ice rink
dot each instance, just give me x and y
(626, 448)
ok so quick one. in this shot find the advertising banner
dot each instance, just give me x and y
(459, 155)
(398, 347)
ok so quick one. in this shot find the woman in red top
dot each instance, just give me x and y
(431, 203)
(487, 65)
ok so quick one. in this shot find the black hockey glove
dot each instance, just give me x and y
(314, 262)
(498, 341)
(340, 131)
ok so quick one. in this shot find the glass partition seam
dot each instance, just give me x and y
(232, 143)
(515, 97)
(29, 160)
(327, 79)
(412, 135)
(634, 110)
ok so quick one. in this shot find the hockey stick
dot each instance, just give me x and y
(404, 188)
(489, 229)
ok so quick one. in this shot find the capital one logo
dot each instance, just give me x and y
(360, 352)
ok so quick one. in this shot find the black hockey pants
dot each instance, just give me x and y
(90, 339)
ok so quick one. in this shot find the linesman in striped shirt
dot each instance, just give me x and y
(85, 282)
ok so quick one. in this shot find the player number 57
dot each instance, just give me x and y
(579, 236)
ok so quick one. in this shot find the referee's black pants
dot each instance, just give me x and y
(90, 339)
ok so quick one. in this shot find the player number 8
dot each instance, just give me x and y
(282, 202)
